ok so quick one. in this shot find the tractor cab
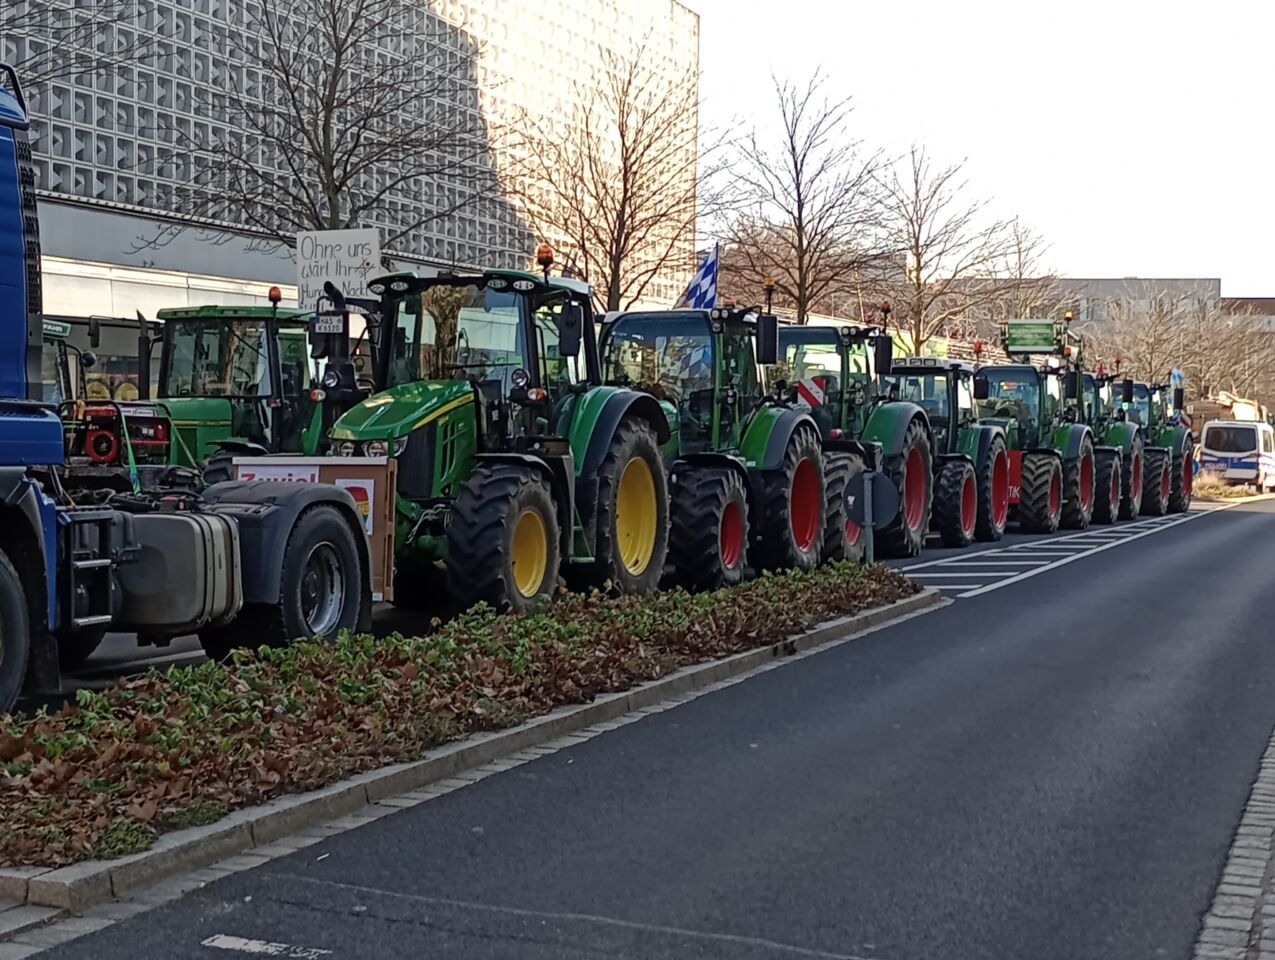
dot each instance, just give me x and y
(1148, 408)
(832, 371)
(944, 389)
(1025, 400)
(701, 365)
(238, 379)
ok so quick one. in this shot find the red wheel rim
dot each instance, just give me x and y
(914, 489)
(804, 504)
(1137, 474)
(1188, 475)
(853, 533)
(1000, 490)
(1115, 487)
(1086, 482)
(731, 537)
(1055, 493)
(1165, 484)
(969, 504)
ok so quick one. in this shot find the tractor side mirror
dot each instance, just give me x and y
(982, 388)
(767, 339)
(88, 359)
(883, 355)
(1179, 399)
(1072, 385)
(1126, 391)
(570, 329)
(95, 332)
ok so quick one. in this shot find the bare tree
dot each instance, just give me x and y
(67, 40)
(951, 259)
(617, 185)
(807, 215)
(337, 113)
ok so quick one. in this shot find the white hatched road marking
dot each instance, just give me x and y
(264, 948)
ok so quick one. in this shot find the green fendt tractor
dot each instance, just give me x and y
(514, 464)
(750, 482)
(1169, 452)
(836, 373)
(971, 462)
(1118, 478)
(1052, 460)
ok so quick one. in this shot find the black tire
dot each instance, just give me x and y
(219, 468)
(842, 538)
(1076, 512)
(708, 541)
(1155, 485)
(1106, 504)
(1039, 510)
(75, 648)
(633, 447)
(481, 538)
(990, 526)
(1131, 478)
(900, 539)
(794, 539)
(956, 503)
(15, 635)
(1183, 479)
(322, 565)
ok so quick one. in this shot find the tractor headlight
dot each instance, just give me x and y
(331, 380)
(375, 448)
(345, 449)
(400, 445)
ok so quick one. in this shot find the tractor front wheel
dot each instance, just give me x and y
(503, 544)
(1183, 477)
(792, 521)
(708, 541)
(1156, 483)
(1106, 487)
(1040, 504)
(633, 513)
(956, 503)
(993, 493)
(1131, 480)
(842, 537)
(1078, 488)
(910, 472)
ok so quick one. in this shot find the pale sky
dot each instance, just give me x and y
(1138, 137)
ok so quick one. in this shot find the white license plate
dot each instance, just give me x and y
(321, 324)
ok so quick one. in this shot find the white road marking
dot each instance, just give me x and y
(264, 948)
(954, 586)
(966, 573)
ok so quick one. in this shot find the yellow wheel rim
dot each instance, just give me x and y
(530, 553)
(636, 516)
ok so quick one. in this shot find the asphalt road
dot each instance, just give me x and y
(1053, 768)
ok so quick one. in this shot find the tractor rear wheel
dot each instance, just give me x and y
(993, 493)
(1078, 488)
(956, 503)
(1183, 477)
(708, 540)
(910, 472)
(842, 537)
(1106, 487)
(1040, 503)
(1131, 480)
(503, 545)
(792, 509)
(1156, 483)
(633, 513)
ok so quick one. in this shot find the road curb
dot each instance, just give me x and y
(82, 885)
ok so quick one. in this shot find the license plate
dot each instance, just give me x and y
(322, 324)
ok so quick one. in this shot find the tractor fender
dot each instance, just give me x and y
(29, 539)
(266, 512)
(888, 425)
(766, 439)
(1179, 436)
(976, 441)
(868, 452)
(620, 404)
(241, 448)
(1121, 435)
(1069, 438)
(558, 471)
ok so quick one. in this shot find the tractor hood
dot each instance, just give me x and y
(197, 411)
(400, 410)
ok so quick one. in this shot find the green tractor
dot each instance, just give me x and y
(514, 464)
(751, 484)
(1120, 450)
(971, 464)
(836, 373)
(1052, 456)
(1170, 449)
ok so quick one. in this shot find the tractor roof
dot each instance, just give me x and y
(211, 312)
(931, 364)
(565, 283)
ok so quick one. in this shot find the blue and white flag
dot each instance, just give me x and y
(701, 294)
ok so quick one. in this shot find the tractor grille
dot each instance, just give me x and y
(416, 464)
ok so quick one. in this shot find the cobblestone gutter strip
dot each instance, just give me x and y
(45, 893)
(1241, 923)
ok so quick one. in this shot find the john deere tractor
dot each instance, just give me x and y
(836, 372)
(1051, 448)
(1170, 448)
(750, 483)
(971, 463)
(515, 466)
(1118, 479)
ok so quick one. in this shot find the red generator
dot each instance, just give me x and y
(99, 436)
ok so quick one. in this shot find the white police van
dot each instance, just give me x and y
(1238, 451)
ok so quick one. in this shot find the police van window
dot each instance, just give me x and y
(1268, 441)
